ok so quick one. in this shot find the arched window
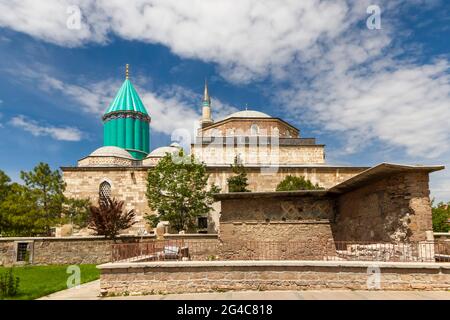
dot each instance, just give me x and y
(105, 190)
(254, 129)
(275, 131)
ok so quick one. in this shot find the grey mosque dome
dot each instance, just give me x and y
(161, 151)
(248, 114)
(111, 151)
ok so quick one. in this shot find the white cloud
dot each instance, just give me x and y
(92, 98)
(57, 133)
(171, 108)
(47, 20)
(247, 40)
(342, 79)
(403, 105)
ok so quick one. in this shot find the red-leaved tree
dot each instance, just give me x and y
(109, 218)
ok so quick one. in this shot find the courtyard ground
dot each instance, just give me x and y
(90, 291)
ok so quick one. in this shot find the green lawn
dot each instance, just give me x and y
(38, 281)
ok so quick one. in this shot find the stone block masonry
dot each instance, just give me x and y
(396, 208)
(210, 276)
(81, 250)
(130, 184)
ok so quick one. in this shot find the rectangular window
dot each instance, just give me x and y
(202, 223)
(22, 251)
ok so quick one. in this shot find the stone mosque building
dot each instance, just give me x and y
(383, 197)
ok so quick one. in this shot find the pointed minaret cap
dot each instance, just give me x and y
(206, 108)
(206, 97)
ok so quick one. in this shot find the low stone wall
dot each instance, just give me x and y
(441, 236)
(77, 250)
(209, 276)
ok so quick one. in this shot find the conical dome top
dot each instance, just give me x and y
(127, 99)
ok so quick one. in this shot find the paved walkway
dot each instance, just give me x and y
(90, 291)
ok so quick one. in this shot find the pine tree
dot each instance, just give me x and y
(47, 187)
(238, 182)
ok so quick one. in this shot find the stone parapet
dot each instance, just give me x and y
(76, 250)
(209, 276)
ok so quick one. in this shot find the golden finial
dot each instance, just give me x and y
(127, 70)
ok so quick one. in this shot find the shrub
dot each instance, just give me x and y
(440, 216)
(9, 284)
(291, 183)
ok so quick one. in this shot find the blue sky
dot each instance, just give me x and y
(369, 95)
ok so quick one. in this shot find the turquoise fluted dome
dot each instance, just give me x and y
(127, 123)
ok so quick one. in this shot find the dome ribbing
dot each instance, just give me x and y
(126, 122)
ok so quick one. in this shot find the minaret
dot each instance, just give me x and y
(126, 122)
(206, 108)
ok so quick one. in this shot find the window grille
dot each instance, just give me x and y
(22, 251)
(105, 190)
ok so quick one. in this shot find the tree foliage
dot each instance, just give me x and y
(108, 218)
(47, 187)
(238, 182)
(76, 212)
(291, 183)
(177, 188)
(33, 208)
(441, 216)
(19, 215)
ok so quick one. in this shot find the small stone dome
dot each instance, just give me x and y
(111, 151)
(176, 145)
(248, 114)
(161, 151)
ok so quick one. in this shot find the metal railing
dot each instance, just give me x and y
(421, 251)
(198, 250)
(158, 250)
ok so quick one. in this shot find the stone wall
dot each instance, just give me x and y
(263, 154)
(130, 184)
(267, 179)
(396, 208)
(190, 277)
(276, 207)
(127, 184)
(278, 227)
(276, 241)
(91, 250)
(242, 127)
(442, 236)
